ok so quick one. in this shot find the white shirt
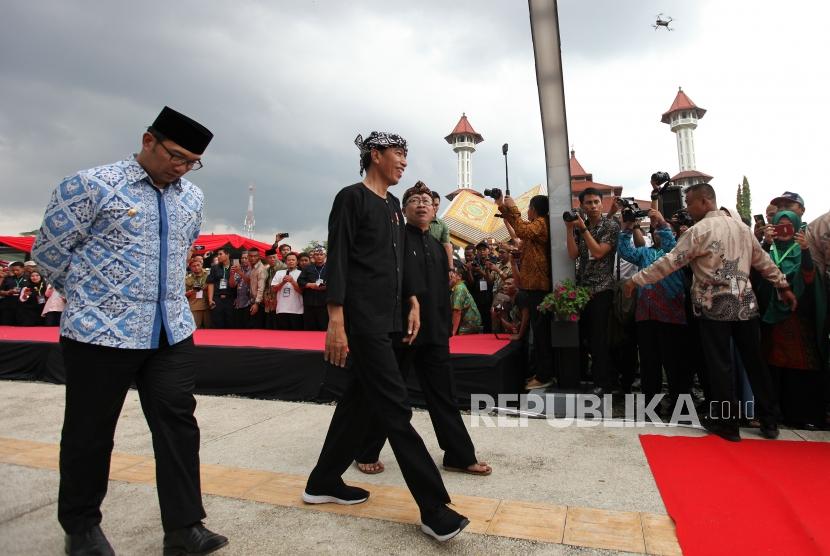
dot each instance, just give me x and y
(289, 300)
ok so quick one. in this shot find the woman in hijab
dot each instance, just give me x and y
(32, 300)
(792, 347)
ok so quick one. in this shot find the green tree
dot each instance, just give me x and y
(746, 198)
(739, 200)
(743, 201)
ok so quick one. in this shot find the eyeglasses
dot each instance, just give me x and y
(418, 201)
(178, 160)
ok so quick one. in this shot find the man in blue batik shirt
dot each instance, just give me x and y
(113, 241)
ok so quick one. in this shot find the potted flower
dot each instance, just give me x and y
(566, 301)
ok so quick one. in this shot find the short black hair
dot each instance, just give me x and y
(305, 254)
(435, 195)
(589, 191)
(482, 245)
(252, 249)
(704, 189)
(15, 263)
(366, 158)
(540, 204)
(224, 250)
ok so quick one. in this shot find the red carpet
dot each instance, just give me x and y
(752, 497)
(474, 344)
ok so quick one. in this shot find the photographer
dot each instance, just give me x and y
(535, 279)
(506, 316)
(660, 314)
(195, 285)
(484, 276)
(593, 245)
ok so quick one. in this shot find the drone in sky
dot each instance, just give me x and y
(663, 21)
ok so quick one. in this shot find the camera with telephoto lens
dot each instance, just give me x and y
(681, 218)
(494, 193)
(631, 211)
(571, 215)
(659, 178)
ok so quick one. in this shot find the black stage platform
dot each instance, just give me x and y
(278, 365)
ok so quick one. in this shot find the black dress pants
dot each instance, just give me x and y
(661, 347)
(593, 325)
(624, 356)
(540, 324)
(223, 314)
(315, 317)
(715, 338)
(258, 320)
(8, 310)
(289, 321)
(432, 364)
(97, 380)
(377, 391)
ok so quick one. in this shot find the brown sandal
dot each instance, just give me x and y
(469, 471)
(376, 467)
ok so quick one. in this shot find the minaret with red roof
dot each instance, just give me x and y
(682, 116)
(464, 140)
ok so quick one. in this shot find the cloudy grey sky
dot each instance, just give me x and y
(286, 85)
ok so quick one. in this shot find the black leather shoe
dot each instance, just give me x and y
(769, 432)
(91, 542)
(192, 540)
(727, 432)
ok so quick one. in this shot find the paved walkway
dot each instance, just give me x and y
(553, 491)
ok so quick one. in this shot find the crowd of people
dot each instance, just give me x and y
(732, 315)
(281, 289)
(26, 299)
(781, 355)
(714, 302)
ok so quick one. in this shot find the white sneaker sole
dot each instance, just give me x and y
(323, 499)
(444, 538)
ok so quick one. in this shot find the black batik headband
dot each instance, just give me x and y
(378, 140)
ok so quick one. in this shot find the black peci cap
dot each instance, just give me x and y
(184, 131)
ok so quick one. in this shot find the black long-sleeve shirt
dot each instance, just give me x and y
(365, 260)
(309, 275)
(426, 275)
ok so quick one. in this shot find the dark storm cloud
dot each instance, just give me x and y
(284, 86)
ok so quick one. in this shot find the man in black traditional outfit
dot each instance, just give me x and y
(365, 292)
(426, 273)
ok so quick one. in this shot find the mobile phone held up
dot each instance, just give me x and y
(759, 220)
(784, 230)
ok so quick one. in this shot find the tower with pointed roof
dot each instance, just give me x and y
(464, 140)
(683, 116)
(250, 223)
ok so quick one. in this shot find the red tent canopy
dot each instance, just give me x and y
(211, 242)
(18, 243)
